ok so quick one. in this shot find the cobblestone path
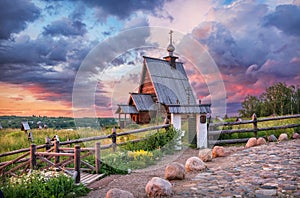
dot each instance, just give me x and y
(271, 170)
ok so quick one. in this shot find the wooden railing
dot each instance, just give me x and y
(216, 133)
(56, 151)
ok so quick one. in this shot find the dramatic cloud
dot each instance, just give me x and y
(219, 42)
(123, 9)
(15, 15)
(66, 27)
(285, 18)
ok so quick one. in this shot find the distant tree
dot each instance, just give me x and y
(297, 101)
(278, 99)
(250, 105)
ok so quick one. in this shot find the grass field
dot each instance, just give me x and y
(14, 139)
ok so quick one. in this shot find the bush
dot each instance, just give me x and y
(44, 185)
(154, 141)
(140, 154)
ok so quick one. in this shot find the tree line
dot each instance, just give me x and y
(278, 99)
(55, 122)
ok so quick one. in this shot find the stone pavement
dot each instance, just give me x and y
(271, 170)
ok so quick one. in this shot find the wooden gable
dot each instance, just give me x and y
(146, 85)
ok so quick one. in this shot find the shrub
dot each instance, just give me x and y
(42, 184)
(154, 141)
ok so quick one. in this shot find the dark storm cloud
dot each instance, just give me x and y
(43, 50)
(285, 18)
(14, 16)
(220, 42)
(47, 63)
(65, 27)
(124, 8)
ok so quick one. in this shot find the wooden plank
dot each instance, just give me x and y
(54, 154)
(229, 141)
(279, 118)
(89, 178)
(230, 131)
(17, 167)
(251, 130)
(19, 161)
(51, 163)
(13, 161)
(88, 165)
(20, 151)
(143, 129)
(278, 127)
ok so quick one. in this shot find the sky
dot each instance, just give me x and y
(82, 58)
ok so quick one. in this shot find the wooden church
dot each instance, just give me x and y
(164, 84)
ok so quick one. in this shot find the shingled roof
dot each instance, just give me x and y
(126, 109)
(143, 102)
(171, 84)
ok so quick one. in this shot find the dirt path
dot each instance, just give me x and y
(266, 171)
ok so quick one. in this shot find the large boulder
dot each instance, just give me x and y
(174, 171)
(272, 138)
(205, 155)
(158, 187)
(283, 137)
(251, 142)
(261, 141)
(118, 193)
(194, 164)
(296, 136)
(218, 151)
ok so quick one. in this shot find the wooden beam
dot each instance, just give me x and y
(77, 163)
(88, 165)
(20, 151)
(32, 156)
(97, 157)
(15, 160)
(19, 161)
(54, 154)
(211, 133)
(52, 164)
(16, 168)
(229, 141)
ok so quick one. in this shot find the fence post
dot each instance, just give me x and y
(97, 157)
(32, 156)
(77, 163)
(254, 119)
(56, 150)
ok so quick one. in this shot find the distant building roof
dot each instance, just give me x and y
(25, 126)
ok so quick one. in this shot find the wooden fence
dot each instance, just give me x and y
(216, 133)
(73, 155)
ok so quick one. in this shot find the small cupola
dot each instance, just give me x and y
(171, 49)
